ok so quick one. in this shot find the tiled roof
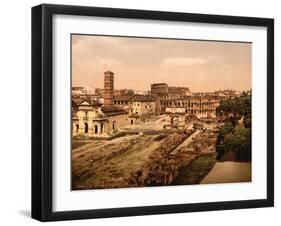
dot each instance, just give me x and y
(143, 98)
(108, 72)
(134, 98)
(112, 110)
(123, 98)
(93, 103)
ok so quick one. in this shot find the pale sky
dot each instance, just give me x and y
(139, 62)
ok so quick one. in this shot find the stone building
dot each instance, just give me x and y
(159, 88)
(227, 93)
(136, 104)
(93, 119)
(108, 88)
(199, 106)
(142, 105)
(123, 92)
(164, 91)
(161, 91)
(179, 99)
(124, 101)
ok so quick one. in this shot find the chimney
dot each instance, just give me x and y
(108, 88)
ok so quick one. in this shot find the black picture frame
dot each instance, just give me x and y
(42, 111)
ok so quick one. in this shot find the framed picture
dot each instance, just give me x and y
(145, 112)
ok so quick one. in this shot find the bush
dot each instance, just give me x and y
(227, 128)
(239, 141)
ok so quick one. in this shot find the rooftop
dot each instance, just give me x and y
(123, 98)
(135, 98)
(92, 103)
(159, 84)
(108, 72)
(143, 98)
(113, 110)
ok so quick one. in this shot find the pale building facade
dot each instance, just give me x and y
(94, 120)
(136, 104)
(143, 107)
(199, 106)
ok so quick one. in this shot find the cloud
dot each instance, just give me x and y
(184, 61)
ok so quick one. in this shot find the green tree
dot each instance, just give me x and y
(239, 141)
(225, 129)
(233, 136)
(247, 121)
(239, 106)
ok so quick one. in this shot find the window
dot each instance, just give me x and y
(101, 128)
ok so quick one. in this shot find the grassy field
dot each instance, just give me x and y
(79, 143)
(109, 164)
(139, 160)
(196, 171)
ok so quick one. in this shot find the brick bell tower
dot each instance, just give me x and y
(108, 88)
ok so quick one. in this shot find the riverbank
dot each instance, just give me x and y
(207, 170)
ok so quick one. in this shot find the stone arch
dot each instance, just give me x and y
(174, 120)
(101, 128)
(86, 127)
(96, 129)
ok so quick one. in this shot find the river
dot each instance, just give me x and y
(228, 172)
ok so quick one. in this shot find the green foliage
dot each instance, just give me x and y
(239, 140)
(248, 121)
(237, 106)
(227, 128)
(233, 136)
(196, 171)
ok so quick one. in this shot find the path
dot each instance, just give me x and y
(229, 172)
(187, 140)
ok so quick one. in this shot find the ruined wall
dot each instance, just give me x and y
(163, 165)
